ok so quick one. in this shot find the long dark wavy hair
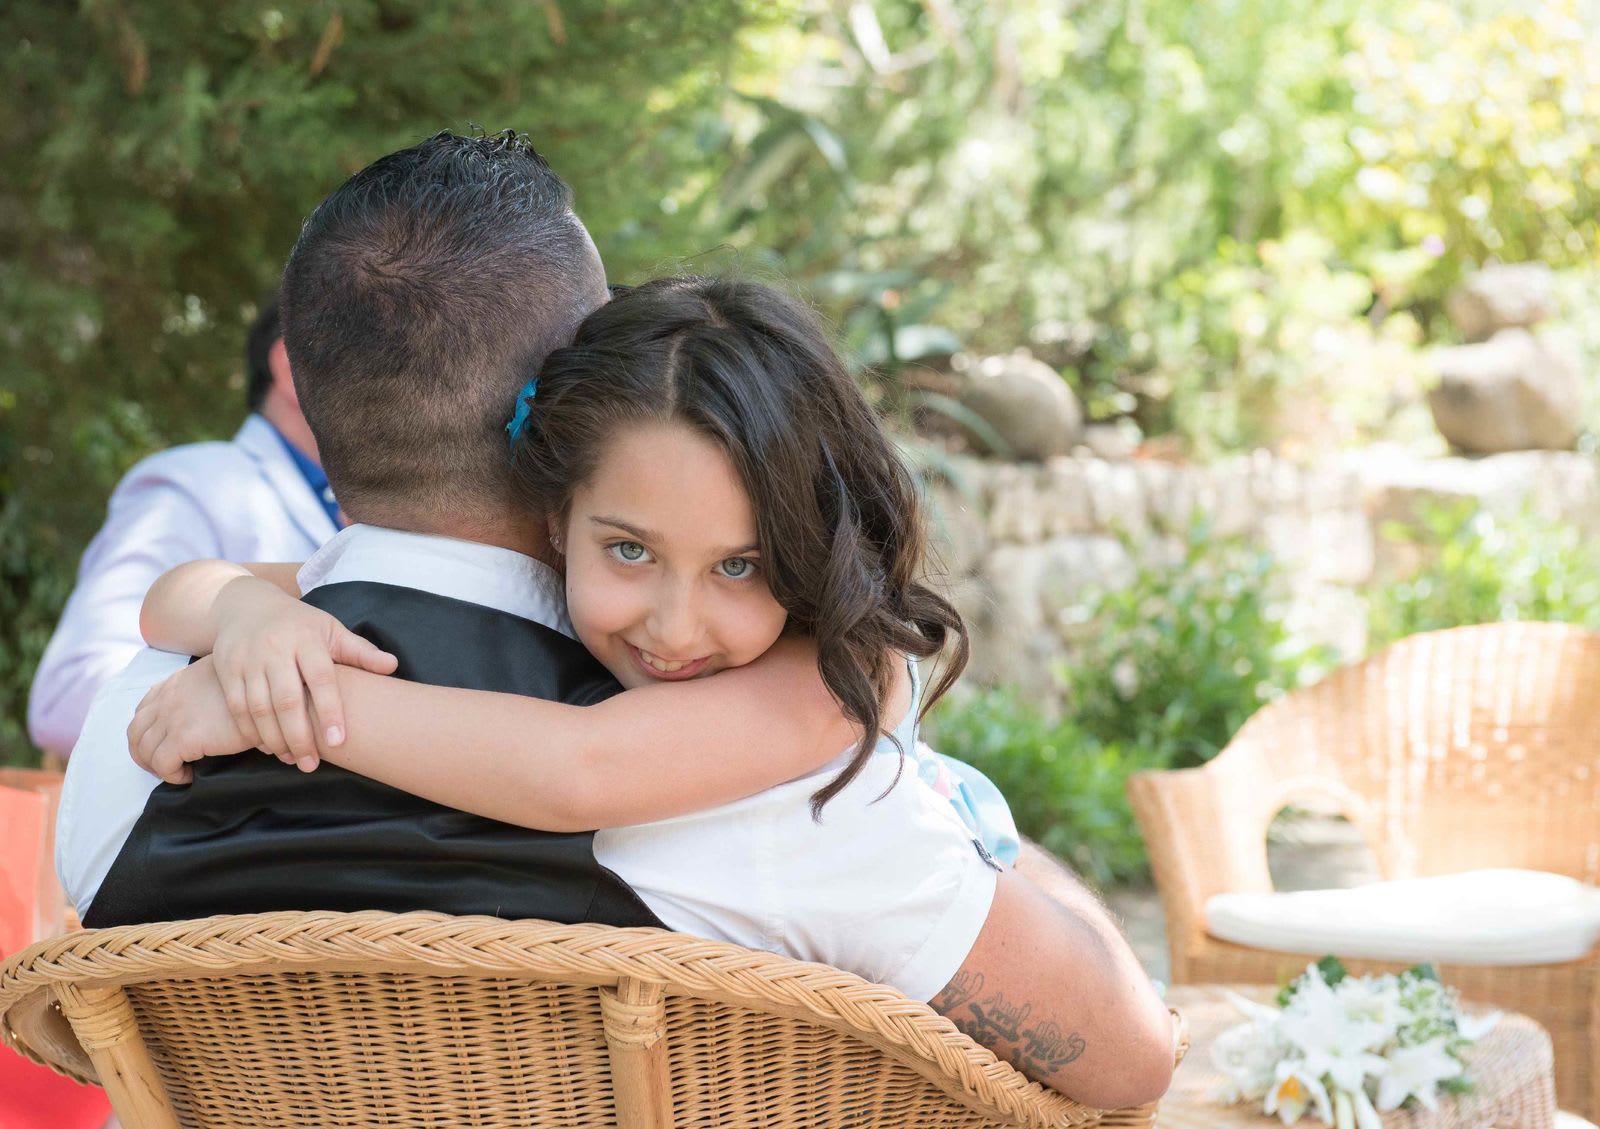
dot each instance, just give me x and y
(838, 519)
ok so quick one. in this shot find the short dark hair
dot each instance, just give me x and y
(415, 298)
(838, 519)
(264, 333)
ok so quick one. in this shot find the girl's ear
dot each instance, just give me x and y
(555, 532)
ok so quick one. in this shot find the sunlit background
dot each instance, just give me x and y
(1229, 228)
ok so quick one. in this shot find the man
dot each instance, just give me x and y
(419, 296)
(261, 496)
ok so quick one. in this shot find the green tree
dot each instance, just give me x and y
(160, 158)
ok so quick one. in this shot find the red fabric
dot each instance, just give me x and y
(32, 1097)
(22, 855)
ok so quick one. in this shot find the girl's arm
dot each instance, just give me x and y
(269, 649)
(646, 754)
(179, 613)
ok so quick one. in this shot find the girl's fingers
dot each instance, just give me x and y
(162, 758)
(233, 692)
(258, 694)
(350, 649)
(317, 670)
(143, 720)
(289, 708)
(142, 747)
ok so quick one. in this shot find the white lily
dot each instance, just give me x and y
(1352, 1109)
(1334, 1042)
(1330, 1043)
(1296, 1088)
(1245, 1006)
(1375, 999)
(1474, 1027)
(1416, 1071)
(1246, 1055)
(1366, 1116)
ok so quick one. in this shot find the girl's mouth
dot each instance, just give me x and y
(665, 670)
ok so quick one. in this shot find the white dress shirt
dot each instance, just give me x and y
(889, 885)
(241, 500)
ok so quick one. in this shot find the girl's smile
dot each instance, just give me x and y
(664, 577)
(670, 670)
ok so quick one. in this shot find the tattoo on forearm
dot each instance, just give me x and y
(962, 988)
(1047, 1047)
(998, 1020)
(1038, 1049)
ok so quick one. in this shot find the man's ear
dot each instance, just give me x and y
(282, 375)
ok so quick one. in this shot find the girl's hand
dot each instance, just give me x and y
(182, 719)
(271, 650)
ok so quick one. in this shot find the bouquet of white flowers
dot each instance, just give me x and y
(1348, 1047)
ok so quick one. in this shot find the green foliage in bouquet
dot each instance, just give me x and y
(1431, 1009)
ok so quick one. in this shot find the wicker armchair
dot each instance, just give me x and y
(421, 1019)
(1450, 751)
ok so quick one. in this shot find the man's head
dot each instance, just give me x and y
(419, 298)
(269, 387)
(265, 334)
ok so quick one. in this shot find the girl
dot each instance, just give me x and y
(723, 502)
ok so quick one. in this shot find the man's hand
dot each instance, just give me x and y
(184, 719)
(272, 651)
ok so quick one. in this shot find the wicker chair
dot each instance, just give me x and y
(1450, 751)
(421, 1019)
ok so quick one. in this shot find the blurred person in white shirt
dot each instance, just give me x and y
(260, 496)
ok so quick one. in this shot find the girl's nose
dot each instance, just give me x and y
(675, 623)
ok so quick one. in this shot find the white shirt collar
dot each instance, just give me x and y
(487, 575)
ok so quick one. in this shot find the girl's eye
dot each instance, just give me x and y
(736, 568)
(628, 552)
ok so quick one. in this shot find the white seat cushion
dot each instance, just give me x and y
(1498, 917)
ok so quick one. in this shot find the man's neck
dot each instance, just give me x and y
(292, 426)
(515, 538)
(526, 537)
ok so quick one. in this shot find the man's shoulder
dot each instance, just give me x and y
(211, 462)
(104, 790)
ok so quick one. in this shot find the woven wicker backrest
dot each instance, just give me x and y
(1477, 746)
(366, 1019)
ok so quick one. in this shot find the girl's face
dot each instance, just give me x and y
(664, 581)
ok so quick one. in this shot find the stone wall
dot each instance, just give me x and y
(1021, 544)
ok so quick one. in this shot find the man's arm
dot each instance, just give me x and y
(1051, 987)
(153, 524)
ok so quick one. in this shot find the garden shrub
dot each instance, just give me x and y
(1066, 789)
(1482, 567)
(1179, 659)
(1172, 665)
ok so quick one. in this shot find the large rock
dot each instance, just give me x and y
(1511, 393)
(1019, 635)
(1402, 488)
(958, 536)
(1026, 402)
(1510, 296)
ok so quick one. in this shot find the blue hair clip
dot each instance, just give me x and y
(519, 418)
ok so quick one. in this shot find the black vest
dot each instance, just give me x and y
(252, 834)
